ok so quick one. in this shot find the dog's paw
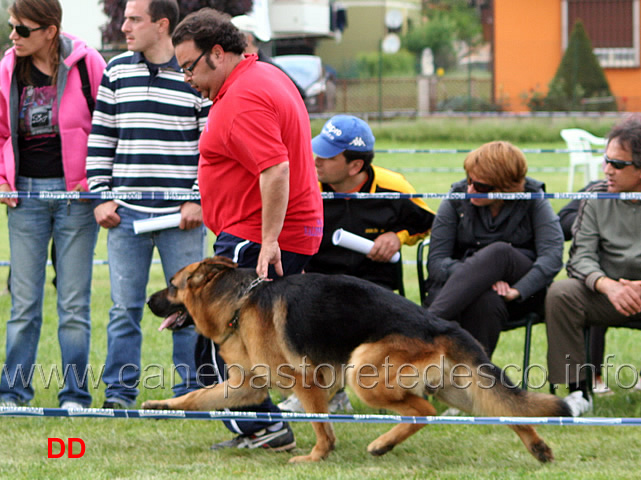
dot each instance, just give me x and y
(378, 448)
(155, 405)
(542, 452)
(305, 459)
(377, 452)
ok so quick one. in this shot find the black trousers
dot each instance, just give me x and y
(467, 296)
(210, 365)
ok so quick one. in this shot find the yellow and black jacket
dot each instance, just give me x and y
(410, 219)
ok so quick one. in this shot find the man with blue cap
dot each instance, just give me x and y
(344, 151)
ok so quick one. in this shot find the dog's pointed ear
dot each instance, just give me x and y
(222, 262)
(208, 269)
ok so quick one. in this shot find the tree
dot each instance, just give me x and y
(579, 82)
(446, 21)
(114, 9)
(437, 34)
(5, 30)
(466, 19)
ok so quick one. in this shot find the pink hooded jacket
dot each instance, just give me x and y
(74, 118)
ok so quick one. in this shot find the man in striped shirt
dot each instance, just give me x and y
(144, 138)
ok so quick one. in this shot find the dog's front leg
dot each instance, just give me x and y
(229, 394)
(315, 400)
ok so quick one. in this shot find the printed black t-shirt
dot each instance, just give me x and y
(39, 136)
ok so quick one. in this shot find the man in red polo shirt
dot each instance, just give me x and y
(256, 173)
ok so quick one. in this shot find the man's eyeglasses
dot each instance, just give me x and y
(618, 164)
(23, 30)
(481, 187)
(189, 71)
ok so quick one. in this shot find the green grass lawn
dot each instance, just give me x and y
(119, 448)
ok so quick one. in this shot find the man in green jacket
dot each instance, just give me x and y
(604, 269)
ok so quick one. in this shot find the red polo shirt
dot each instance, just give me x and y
(259, 120)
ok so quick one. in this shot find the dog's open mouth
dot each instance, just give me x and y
(174, 321)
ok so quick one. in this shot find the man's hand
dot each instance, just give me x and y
(625, 295)
(269, 255)
(12, 202)
(385, 246)
(191, 216)
(274, 194)
(106, 215)
(504, 290)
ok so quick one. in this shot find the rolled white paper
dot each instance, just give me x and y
(156, 223)
(345, 239)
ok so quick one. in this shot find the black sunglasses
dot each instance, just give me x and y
(481, 187)
(618, 164)
(189, 71)
(23, 30)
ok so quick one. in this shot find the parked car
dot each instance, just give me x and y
(313, 77)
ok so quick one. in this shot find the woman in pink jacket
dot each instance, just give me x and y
(45, 120)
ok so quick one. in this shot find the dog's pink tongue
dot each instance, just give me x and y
(170, 320)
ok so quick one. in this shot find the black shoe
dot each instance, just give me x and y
(115, 404)
(279, 441)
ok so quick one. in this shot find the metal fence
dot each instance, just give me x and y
(394, 95)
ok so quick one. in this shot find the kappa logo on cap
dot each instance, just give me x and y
(358, 142)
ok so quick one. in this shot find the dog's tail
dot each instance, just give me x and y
(455, 369)
(472, 383)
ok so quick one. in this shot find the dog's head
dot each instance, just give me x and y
(184, 293)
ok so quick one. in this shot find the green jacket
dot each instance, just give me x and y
(606, 240)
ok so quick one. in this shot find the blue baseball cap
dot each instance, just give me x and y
(343, 132)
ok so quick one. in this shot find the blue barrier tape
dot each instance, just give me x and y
(4, 263)
(334, 195)
(491, 195)
(311, 417)
(461, 170)
(49, 195)
(468, 150)
(155, 261)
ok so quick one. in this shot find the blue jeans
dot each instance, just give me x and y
(130, 258)
(32, 224)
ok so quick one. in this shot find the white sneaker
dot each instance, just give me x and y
(69, 405)
(291, 404)
(451, 412)
(637, 387)
(340, 403)
(577, 403)
(601, 388)
(8, 404)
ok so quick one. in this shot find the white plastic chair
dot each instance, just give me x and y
(580, 142)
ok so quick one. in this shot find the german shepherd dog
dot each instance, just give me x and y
(314, 331)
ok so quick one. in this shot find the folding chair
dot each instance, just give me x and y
(528, 320)
(399, 276)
